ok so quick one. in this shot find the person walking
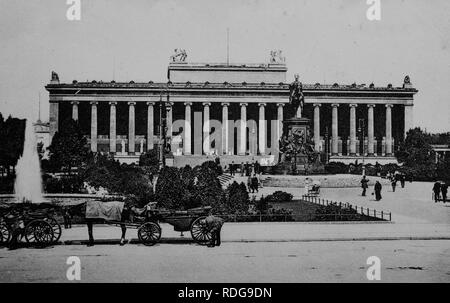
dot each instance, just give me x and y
(364, 185)
(393, 183)
(444, 188)
(249, 184)
(232, 168)
(377, 190)
(242, 169)
(402, 180)
(214, 225)
(254, 183)
(67, 216)
(436, 190)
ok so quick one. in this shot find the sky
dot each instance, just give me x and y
(326, 41)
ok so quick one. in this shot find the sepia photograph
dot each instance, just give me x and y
(242, 144)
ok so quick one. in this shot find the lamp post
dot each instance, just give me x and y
(163, 124)
(327, 145)
(361, 130)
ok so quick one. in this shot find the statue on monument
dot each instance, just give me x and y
(179, 55)
(55, 76)
(296, 97)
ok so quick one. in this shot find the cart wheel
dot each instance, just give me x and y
(56, 229)
(39, 232)
(200, 232)
(149, 233)
(4, 233)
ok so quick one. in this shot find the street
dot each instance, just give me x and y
(323, 261)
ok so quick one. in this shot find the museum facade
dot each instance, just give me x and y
(234, 111)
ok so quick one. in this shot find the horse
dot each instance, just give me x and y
(127, 214)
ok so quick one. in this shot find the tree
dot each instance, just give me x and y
(207, 189)
(170, 191)
(416, 149)
(69, 147)
(237, 198)
(12, 135)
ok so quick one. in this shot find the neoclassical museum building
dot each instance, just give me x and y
(234, 111)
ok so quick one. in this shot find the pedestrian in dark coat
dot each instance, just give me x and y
(254, 183)
(436, 190)
(242, 169)
(232, 168)
(393, 183)
(402, 180)
(444, 188)
(364, 185)
(67, 216)
(377, 190)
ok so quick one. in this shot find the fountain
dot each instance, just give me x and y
(28, 184)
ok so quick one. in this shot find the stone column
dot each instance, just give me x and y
(280, 120)
(131, 127)
(74, 110)
(370, 130)
(112, 127)
(187, 128)
(388, 137)
(243, 129)
(262, 129)
(94, 126)
(169, 119)
(353, 129)
(150, 126)
(53, 119)
(206, 128)
(225, 129)
(317, 126)
(334, 130)
(409, 118)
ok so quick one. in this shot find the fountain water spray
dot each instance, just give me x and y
(28, 185)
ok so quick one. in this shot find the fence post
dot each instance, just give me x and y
(390, 217)
(381, 215)
(367, 211)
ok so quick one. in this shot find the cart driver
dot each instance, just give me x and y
(214, 225)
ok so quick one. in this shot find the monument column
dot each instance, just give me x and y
(317, 126)
(334, 129)
(225, 128)
(243, 129)
(409, 118)
(353, 129)
(262, 129)
(94, 126)
(53, 118)
(388, 138)
(187, 128)
(150, 126)
(206, 128)
(75, 110)
(112, 127)
(131, 127)
(370, 130)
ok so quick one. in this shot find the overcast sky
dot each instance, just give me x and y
(324, 41)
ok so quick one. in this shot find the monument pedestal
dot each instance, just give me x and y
(295, 164)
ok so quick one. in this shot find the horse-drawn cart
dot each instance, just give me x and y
(182, 220)
(36, 225)
(147, 220)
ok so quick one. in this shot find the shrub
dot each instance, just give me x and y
(336, 168)
(279, 196)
